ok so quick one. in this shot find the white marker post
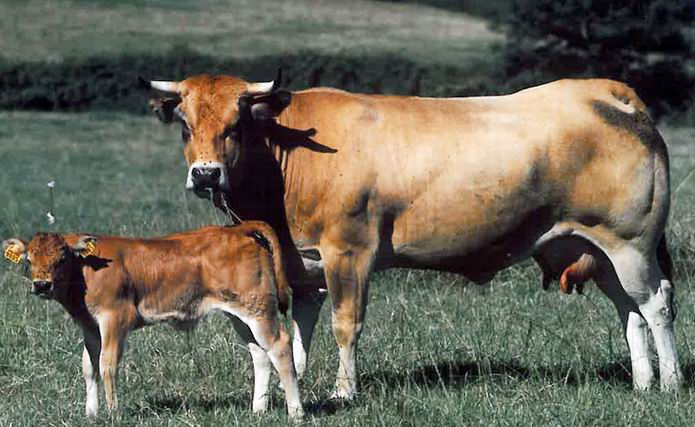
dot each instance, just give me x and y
(49, 215)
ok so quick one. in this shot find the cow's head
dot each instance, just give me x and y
(51, 257)
(215, 113)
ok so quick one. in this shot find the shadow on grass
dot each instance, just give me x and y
(449, 374)
(206, 403)
(689, 375)
(329, 406)
(621, 373)
(456, 374)
(446, 373)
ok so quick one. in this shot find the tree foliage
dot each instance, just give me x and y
(641, 42)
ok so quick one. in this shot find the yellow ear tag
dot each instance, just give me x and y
(12, 255)
(90, 246)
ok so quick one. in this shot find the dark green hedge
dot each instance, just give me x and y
(111, 83)
(642, 42)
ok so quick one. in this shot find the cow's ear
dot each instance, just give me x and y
(14, 250)
(84, 246)
(165, 108)
(265, 108)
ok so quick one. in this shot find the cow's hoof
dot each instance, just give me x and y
(672, 383)
(296, 414)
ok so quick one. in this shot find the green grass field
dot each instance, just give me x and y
(435, 351)
(46, 30)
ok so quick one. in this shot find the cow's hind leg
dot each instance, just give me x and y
(634, 326)
(644, 280)
(643, 296)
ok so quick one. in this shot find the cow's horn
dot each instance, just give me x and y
(264, 87)
(164, 86)
(260, 88)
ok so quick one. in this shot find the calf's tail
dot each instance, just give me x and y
(283, 287)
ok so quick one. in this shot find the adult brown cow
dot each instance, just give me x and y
(573, 173)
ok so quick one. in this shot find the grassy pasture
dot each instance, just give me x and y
(57, 31)
(435, 351)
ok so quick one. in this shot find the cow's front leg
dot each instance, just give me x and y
(306, 306)
(90, 370)
(347, 274)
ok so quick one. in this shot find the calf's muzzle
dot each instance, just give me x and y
(40, 287)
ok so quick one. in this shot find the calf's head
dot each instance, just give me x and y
(51, 257)
(215, 113)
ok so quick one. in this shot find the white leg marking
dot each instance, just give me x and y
(345, 383)
(90, 370)
(658, 314)
(261, 377)
(90, 379)
(637, 341)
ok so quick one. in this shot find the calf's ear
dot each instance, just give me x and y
(14, 250)
(84, 246)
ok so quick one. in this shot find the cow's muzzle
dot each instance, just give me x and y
(205, 177)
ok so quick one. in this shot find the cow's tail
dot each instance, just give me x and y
(284, 291)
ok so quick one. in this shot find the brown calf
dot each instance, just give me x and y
(113, 285)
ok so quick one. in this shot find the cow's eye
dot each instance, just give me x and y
(185, 133)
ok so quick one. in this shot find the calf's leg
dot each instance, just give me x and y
(112, 334)
(272, 337)
(90, 370)
(261, 365)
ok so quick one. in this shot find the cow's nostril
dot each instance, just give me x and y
(206, 177)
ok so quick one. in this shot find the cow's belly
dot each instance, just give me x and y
(474, 228)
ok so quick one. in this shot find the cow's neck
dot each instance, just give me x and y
(261, 192)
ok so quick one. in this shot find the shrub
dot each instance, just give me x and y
(640, 42)
(111, 83)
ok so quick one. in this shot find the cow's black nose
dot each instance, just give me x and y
(40, 287)
(206, 177)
